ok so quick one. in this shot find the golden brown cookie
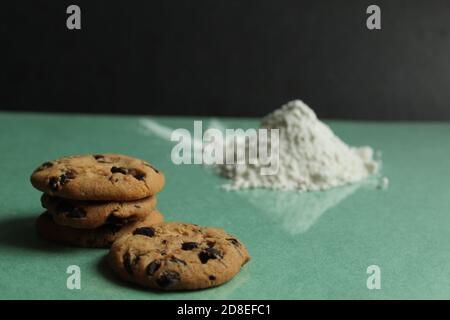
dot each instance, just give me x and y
(93, 214)
(101, 237)
(112, 177)
(177, 256)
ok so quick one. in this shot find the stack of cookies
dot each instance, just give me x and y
(92, 200)
(109, 200)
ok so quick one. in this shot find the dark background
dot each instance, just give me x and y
(228, 58)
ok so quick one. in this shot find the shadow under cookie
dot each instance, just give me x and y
(20, 233)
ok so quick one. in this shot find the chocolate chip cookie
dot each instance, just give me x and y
(112, 177)
(177, 256)
(93, 214)
(101, 237)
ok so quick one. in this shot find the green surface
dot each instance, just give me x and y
(315, 245)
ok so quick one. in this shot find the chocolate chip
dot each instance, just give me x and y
(189, 245)
(70, 174)
(45, 165)
(234, 241)
(53, 183)
(137, 174)
(77, 213)
(164, 242)
(153, 267)
(56, 182)
(99, 157)
(140, 176)
(137, 206)
(66, 177)
(210, 253)
(117, 221)
(62, 179)
(145, 231)
(127, 263)
(119, 170)
(149, 165)
(168, 278)
(178, 261)
(212, 278)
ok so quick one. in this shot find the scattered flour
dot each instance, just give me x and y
(311, 156)
(383, 183)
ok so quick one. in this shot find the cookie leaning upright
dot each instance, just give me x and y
(177, 256)
(98, 177)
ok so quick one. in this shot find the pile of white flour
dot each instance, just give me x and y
(311, 157)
